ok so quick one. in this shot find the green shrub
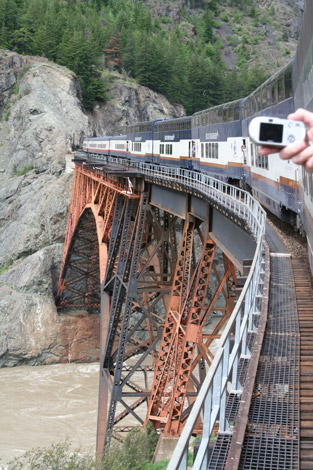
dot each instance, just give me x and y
(57, 457)
(135, 453)
(6, 266)
(24, 170)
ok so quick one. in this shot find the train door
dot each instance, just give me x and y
(246, 164)
(191, 154)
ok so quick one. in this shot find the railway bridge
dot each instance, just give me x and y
(199, 333)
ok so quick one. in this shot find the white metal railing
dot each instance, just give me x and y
(223, 372)
(236, 200)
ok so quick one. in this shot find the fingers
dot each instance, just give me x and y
(302, 115)
(309, 165)
(267, 150)
(293, 149)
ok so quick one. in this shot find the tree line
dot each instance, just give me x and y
(87, 36)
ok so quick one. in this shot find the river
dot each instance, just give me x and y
(43, 405)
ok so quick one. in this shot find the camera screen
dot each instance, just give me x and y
(271, 132)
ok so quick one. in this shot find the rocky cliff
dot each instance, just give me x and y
(42, 118)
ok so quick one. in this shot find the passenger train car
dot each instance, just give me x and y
(216, 141)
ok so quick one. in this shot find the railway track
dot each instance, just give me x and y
(304, 299)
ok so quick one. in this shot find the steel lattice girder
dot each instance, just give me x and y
(92, 194)
(183, 331)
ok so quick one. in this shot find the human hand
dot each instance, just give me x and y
(301, 152)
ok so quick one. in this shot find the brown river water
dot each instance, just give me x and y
(43, 405)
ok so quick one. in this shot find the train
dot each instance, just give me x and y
(216, 141)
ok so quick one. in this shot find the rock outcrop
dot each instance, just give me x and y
(42, 119)
(128, 104)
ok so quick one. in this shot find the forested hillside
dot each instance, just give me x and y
(180, 56)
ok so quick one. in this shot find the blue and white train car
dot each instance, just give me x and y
(303, 98)
(274, 182)
(218, 136)
(172, 139)
(140, 141)
(116, 146)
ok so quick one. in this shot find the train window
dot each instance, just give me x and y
(304, 179)
(206, 150)
(268, 96)
(288, 84)
(230, 113)
(281, 89)
(258, 102)
(264, 99)
(274, 92)
(137, 146)
(261, 161)
(215, 150)
(161, 149)
(245, 108)
(202, 151)
(120, 146)
(169, 149)
(310, 186)
(220, 114)
(237, 112)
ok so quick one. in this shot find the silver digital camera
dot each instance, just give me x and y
(276, 132)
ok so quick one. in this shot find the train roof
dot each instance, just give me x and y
(218, 106)
(108, 137)
(272, 78)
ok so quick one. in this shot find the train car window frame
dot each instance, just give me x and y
(237, 112)
(281, 88)
(288, 85)
(216, 150)
(310, 185)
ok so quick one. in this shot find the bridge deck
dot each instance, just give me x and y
(280, 430)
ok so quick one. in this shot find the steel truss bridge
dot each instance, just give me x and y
(180, 260)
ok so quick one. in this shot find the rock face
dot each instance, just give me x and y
(130, 103)
(42, 119)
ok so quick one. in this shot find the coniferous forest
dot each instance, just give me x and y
(89, 35)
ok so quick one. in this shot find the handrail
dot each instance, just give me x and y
(212, 397)
(240, 202)
(221, 370)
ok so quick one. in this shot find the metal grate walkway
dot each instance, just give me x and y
(272, 435)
